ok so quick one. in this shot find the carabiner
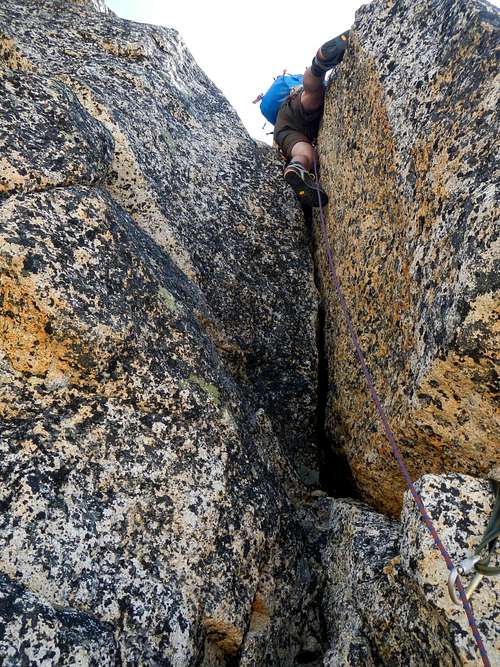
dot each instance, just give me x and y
(465, 566)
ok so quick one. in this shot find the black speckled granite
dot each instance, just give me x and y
(409, 156)
(157, 354)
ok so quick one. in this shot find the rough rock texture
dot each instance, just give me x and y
(157, 358)
(34, 633)
(385, 597)
(158, 366)
(409, 155)
(185, 169)
(100, 5)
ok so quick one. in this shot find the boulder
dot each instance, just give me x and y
(385, 597)
(158, 362)
(408, 151)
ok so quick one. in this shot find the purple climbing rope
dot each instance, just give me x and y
(390, 435)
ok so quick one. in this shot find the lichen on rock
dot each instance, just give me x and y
(158, 362)
(64, 636)
(155, 345)
(385, 595)
(408, 151)
(47, 137)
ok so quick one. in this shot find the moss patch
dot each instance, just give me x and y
(167, 299)
(211, 389)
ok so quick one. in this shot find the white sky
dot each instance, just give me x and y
(241, 46)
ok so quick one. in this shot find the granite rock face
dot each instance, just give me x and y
(158, 363)
(385, 597)
(48, 635)
(408, 152)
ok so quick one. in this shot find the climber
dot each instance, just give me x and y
(297, 116)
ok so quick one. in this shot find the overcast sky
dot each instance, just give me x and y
(242, 45)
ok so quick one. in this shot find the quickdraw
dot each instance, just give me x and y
(479, 562)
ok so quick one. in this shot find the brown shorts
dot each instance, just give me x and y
(294, 124)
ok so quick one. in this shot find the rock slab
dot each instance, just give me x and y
(157, 357)
(385, 597)
(408, 154)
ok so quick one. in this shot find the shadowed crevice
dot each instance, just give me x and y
(335, 476)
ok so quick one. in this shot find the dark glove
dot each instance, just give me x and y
(329, 55)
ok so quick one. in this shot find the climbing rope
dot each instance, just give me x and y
(388, 431)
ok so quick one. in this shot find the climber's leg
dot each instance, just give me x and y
(296, 124)
(295, 129)
(302, 152)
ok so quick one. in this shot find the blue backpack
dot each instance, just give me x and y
(281, 88)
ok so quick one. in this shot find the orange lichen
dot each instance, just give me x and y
(11, 56)
(27, 337)
(441, 414)
(24, 330)
(222, 633)
(260, 614)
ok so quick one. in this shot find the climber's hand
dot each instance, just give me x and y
(330, 54)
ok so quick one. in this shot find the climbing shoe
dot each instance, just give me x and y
(304, 184)
(329, 55)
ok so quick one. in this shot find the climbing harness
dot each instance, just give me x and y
(479, 562)
(390, 435)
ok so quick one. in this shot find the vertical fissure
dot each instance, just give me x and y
(335, 475)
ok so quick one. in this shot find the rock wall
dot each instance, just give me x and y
(158, 364)
(408, 153)
(385, 598)
(408, 157)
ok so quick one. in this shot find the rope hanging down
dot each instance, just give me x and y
(388, 431)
